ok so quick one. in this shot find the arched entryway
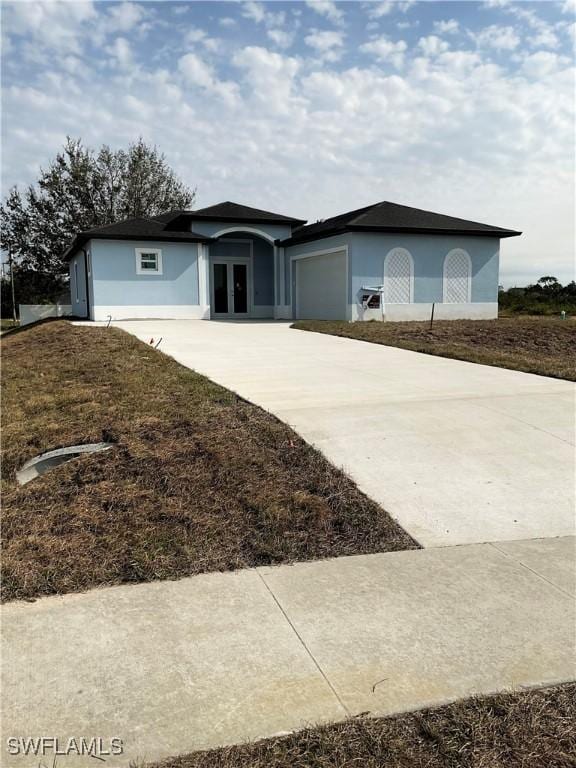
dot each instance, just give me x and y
(242, 274)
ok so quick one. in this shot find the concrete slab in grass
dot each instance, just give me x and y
(168, 667)
(404, 630)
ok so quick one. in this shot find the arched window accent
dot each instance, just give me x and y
(398, 277)
(457, 277)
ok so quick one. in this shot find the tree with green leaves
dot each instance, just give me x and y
(82, 189)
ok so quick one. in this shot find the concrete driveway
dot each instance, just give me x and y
(457, 452)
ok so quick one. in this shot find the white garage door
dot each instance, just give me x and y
(321, 292)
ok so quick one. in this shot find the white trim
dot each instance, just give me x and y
(283, 312)
(469, 284)
(282, 268)
(151, 311)
(138, 255)
(385, 276)
(203, 266)
(324, 252)
(240, 229)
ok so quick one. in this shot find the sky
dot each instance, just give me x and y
(311, 109)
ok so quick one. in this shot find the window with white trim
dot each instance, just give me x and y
(148, 261)
(398, 277)
(457, 277)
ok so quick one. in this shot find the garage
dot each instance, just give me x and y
(321, 287)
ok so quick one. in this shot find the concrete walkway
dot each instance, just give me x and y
(458, 453)
(171, 667)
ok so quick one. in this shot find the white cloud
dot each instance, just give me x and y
(449, 26)
(432, 45)
(384, 7)
(281, 37)
(327, 43)
(270, 77)
(227, 21)
(545, 38)
(196, 71)
(124, 16)
(569, 6)
(495, 3)
(254, 10)
(543, 63)
(499, 38)
(259, 13)
(195, 36)
(326, 8)
(121, 52)
(50, 25)
(385, 50)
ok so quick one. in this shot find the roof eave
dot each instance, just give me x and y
(82, 238)
(499, 233)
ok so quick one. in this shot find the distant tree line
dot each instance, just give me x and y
(545, 297)
(80, 189)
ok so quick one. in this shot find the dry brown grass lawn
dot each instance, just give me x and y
(540, 345)
(533, 729)
(199, 479)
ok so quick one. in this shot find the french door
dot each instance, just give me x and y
(231, 288)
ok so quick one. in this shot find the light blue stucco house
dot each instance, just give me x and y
(382, 262)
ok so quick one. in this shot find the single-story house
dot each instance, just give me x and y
(381, 262)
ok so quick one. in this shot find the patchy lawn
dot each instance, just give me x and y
(199, 480)
(536, 345)
(532, 729)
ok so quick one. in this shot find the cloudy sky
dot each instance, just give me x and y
(315, 108)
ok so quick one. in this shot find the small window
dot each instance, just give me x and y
(148, 261)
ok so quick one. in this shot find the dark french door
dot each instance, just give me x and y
(230, 288)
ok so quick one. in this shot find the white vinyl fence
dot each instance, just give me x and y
(30, 313)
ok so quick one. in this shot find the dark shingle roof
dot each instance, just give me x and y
(390, 217)
(234, 212)
(134, 229)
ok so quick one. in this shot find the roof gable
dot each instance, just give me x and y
(229, 211)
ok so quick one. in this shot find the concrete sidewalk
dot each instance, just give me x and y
(171, 667)
(458, 453)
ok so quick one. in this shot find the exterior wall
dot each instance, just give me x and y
(122, 293)
(78, 285)
(366, 253)
(215, 228)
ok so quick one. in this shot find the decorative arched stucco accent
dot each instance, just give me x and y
(398, 277)
(240, 228)
(457, 283)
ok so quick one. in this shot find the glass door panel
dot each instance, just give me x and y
(240, 283)
(220, 288)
